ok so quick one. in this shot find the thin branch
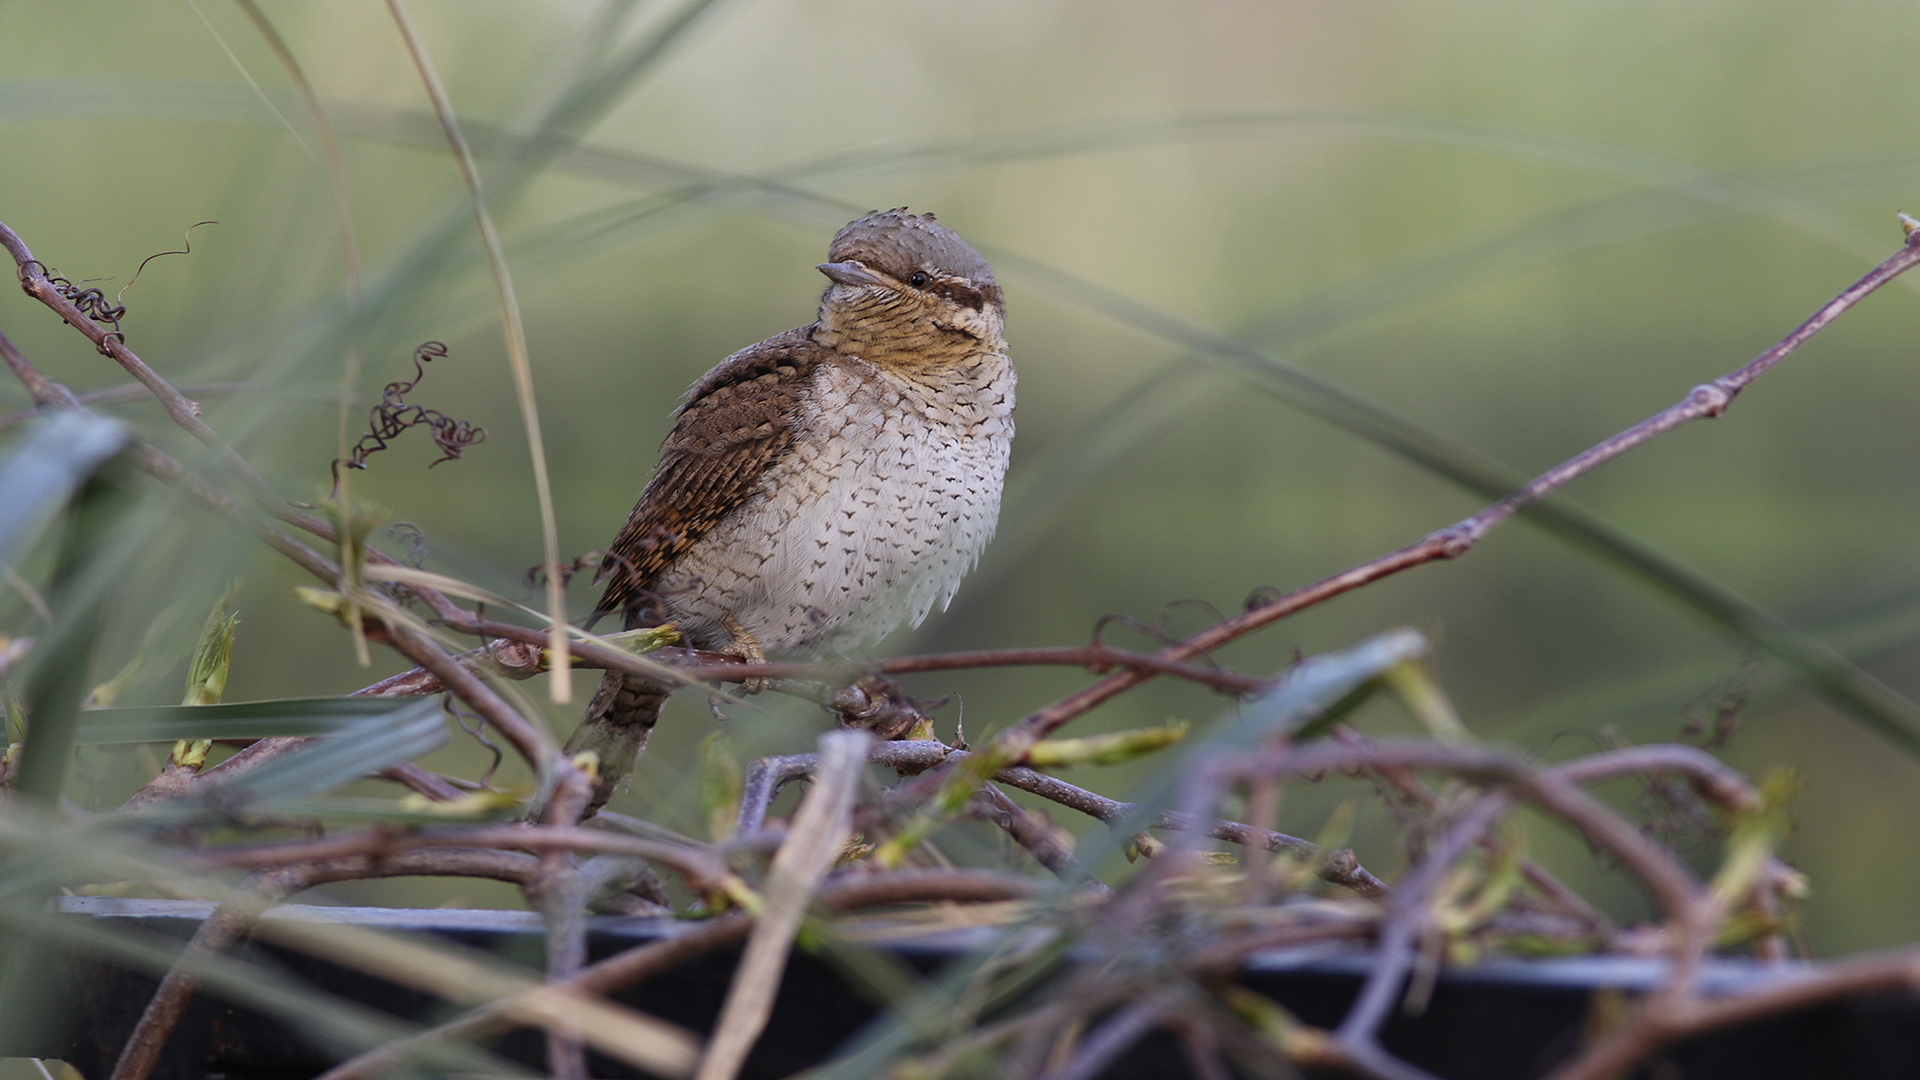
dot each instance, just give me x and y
(765, 776)
(1671, 883)
(692, 665)
(33, 278)
(1893, 972)
(1549, 886)
(1408, 914)
(700, 865)
(1096, 658)
(46, 392)
(1708, 400)
(1108, 1041)
(1036, 836)
(560, 895)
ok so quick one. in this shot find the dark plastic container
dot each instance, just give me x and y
(1501, 1020)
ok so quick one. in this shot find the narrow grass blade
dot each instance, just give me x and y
(814, 841)
(60, 672)
(470, 977)
(45, 469)
(343, 1026)
(559, 685)
(239, 720)
(360, 750)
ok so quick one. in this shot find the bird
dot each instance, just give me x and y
(825, 486)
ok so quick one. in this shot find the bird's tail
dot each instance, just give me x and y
(618, 720)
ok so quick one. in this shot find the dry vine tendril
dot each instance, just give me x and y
(393, 415)
(92, 302)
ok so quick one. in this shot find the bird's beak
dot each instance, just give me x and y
(850, 273)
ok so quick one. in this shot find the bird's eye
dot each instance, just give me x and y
(917, 279)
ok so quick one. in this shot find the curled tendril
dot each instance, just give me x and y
(393, 415)
(186, 239)
(1160, 629)
(92, 302)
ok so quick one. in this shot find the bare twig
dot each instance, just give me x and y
(819, 834)
(1708, 400)
(1108, 1041)
(700, 865)
(1537, 876)
(765, 776)
(1891, 972)
(560, 895)
(34, 279)
(1407, 916)
(1037, 837)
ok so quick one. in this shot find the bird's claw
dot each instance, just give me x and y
(747, 649)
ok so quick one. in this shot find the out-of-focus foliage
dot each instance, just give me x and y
(1523, 225)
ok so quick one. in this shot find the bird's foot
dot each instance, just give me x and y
(747, 649)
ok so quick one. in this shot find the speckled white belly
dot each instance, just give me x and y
(889, 496)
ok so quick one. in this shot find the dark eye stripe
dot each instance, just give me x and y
(960, 293)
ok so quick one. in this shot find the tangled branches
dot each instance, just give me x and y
(1142, 928)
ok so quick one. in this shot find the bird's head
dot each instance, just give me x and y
(905, 285)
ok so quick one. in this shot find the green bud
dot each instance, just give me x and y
(1115, 749)
(212, 657)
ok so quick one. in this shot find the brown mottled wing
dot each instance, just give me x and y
(737, 421)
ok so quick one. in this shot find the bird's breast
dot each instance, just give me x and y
(890, 492)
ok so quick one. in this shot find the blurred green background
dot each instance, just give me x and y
(1522, 226)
